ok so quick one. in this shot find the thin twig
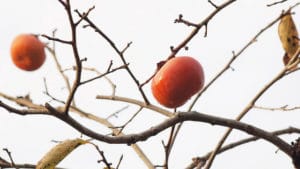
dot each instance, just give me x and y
(10, 158)
(196, 29)
(103, 75)
(275, 3)
(113, 86)
(282, 108)
(213, 4)
(168, 147)
(63, 3)
(126, 47)
(121, 128)
(49, 95)
(84, 15)
(137, 102)
(119, 163)
(57, 39)
(103, 158)
(119, 52)
(186, 22)
(76, 57)
(115, 114)
(59, 67)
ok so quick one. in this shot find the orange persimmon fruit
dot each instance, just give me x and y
(27, 52)
(177, 81)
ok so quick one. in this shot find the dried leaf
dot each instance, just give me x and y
(288, 35)
(58, 153)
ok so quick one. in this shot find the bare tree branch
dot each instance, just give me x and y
(59, 68)
(118, 51)
(275, 3)
(139, 103)
(10, 158)
(199, 26)
(25, 106)
(282, 108)
(57, 39)
(179, 117)
(104, 74)
(197, 160)
(113, 86)
(76, 56)
(24, 111)
(80, 112)
(253, 101)
(213, 4)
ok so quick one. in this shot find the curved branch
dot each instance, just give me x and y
(34, 109)
(38, 111)
(179, 117)
(115, 131)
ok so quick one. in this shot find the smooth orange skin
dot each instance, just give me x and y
(27, 52)
(177, 81)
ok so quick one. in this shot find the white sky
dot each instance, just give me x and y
(150, 26)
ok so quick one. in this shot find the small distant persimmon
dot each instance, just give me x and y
(27, 52)
(177, 80)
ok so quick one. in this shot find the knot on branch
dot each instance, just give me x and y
(296, 153)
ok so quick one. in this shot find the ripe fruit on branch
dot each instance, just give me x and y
(27, 52)
(177, 81)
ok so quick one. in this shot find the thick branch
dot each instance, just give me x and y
(180, 117)
(103, 121)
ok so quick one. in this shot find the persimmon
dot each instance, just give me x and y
(27, 52)
(177, 81)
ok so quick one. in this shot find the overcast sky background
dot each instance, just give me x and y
(149, 25)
